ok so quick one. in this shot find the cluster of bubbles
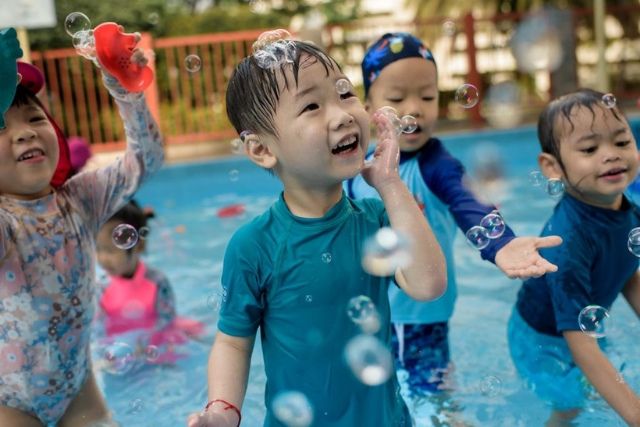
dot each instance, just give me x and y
(369, 359)
(78, 26)
(554, 187)
(491, 227)
(594, 320)
(192, 63)
(385, 252)
(467, 95)
(274, 48)
(119, 358)
(634, 241)
(292, 408)
(609, 100)
(363, 312)
(404, 124)
(536, 44)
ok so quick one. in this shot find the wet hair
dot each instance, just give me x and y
(562, 107)
(253, 92)
(133, 214)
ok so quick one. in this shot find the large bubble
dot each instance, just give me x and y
(536, 44)
(369, 359)
(385, 252)
(292, 408)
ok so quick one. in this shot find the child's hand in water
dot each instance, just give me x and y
(520, 259)
(9, 52)
(211, 418)
(383, 168)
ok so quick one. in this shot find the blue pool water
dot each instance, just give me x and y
(188, 240)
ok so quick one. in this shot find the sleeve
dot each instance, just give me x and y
(444, 175)
(102, 192)
(570, 287)
(165, 299)
(242, 306)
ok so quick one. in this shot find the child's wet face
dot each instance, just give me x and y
(28, 153)
(115, 261)
(322, 134)
(410, 86)
(599, 155)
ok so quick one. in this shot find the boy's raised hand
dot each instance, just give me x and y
(384, 165)
(9, 51)
(520, 259)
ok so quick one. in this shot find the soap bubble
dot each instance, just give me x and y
(609, 100)
(467, 95)
(151, 353)
(124, 236)
(493, 224)
(478, 237)
(153, 18)
(593, 321)
(143, 232)
(292, 408)
(192, 63)
(369, 359)
(503, 105)
(634, 241)
(76, 21)
(536, 43)
(449, 28)
(234, 175)
(490, 386)
(536, 178)
(119, 358)
(362, 311)
(343, 86)
(84, 43)
(555, 187)
(326, 257)
(409, 124)
(385, 252)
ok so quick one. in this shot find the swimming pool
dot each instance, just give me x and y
(188, 239)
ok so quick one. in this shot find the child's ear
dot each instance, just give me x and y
(259, 152)
(549, 166)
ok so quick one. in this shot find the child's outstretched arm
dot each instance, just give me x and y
(603, 376)
(631, 292)
(426, 277)
(520, 259)
(228, 374)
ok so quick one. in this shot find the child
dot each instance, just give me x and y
(591, 148)
(399, 71)
(48, 224)
(138, 298)
(276, 272)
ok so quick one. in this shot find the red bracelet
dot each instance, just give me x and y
(229, 406)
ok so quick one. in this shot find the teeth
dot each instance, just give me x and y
(30, 154)
(349, 141)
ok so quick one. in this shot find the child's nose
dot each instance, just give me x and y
(24, 135)
(342, 118)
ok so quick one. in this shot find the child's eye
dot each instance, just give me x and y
(623, 143)
(589, 150)
(37, 118)
(396, 100)
(347, 95)
(310, 107)
(428, 98)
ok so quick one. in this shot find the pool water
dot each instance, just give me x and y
(188, 239)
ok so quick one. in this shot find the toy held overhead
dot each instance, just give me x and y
(9, 51)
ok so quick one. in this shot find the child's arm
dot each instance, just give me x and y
(228, 374)
(426, 277)
(165, 301)
(631, 292)
(603, 376)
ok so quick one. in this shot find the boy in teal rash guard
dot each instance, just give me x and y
(400, 72)
(590, 147)
(277, 274)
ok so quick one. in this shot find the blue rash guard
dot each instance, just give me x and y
(435, 178)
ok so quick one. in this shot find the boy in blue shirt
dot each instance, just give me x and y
(399, 71)
(293, 270)
(591, 148)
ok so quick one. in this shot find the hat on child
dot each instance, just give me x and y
(390, 48)
(33, 80)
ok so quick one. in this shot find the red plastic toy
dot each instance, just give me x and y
(114, 48)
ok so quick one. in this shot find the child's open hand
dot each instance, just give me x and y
(9, 51)
(383, 168)
(520, 259)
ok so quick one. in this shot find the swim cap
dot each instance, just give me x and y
(390, 48)
(33, 81)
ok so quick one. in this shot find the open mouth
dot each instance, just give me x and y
(31, 154)
(346, 145)
(613, 172)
